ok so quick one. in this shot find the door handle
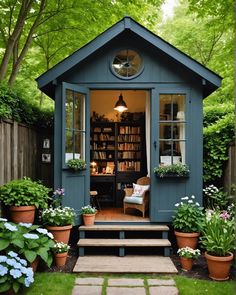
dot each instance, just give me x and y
(155, 144)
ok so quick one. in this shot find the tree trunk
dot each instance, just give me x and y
(16, 65)
(25, 7)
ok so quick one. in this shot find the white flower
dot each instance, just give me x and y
(177, 205)
(42, 230)
(50, 235)
(10, 227)
(31, 236)
(193, 197)
(184, 198)
(25, 224)
(3, 219)
(197, 204)
(190, 201)
(12, 254)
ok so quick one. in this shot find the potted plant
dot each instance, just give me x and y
(60, 250)
(76, 164)
(30, 241)
(88, 212)
(187, 255)
(57, 219)
(24, 196)
(186, 222)
(218, 238)
(174, 170)
(14, 273)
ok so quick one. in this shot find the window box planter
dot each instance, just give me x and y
(172, 171)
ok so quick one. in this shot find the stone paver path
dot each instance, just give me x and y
(124, 286)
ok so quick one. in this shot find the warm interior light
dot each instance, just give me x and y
(120, 105)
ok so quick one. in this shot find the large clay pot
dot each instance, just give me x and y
(60, 233)
(219, 266)
(60, 259)
(24, 214)
(89, 219)
(186, 263)
(187, 239)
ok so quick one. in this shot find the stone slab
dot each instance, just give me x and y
(158, 282)
(120, 227)
(128, 264)
(163, 290)
(125, 291)
(125, 282)
(89, 281)
(87, 290)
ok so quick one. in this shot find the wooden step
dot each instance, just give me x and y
(124, 243)
(117, 227)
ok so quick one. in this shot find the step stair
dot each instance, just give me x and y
(122, 242)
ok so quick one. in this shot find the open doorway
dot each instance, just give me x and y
(119, 152)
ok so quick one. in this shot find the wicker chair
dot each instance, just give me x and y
(129, 200)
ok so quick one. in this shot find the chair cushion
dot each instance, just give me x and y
(139, 190)
(133, 200)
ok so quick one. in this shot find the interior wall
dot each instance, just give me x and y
(103, 102)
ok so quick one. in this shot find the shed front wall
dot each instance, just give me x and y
(160, 75)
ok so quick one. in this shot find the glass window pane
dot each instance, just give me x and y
(165, 107)
(179, 147)
(69, 145)
(165, 131)
(69, 108)
(79, 145)
(79, 111)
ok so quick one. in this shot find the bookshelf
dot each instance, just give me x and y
(119, 150)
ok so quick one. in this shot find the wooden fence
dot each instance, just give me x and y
(21, 149)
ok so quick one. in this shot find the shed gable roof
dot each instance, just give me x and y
(211, 81)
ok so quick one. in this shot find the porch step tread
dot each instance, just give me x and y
(118, 227)
(124, 243)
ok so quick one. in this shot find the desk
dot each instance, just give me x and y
(105, 185)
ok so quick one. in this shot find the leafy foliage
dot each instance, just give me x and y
(175, 169)
(188, 216)
(215, 198)
(216, 141)
(27, 240)
(24, 192)
(188, 252)
(218, 234)
(59, 216)
(14, 106)
(88, 210)
(76, 164)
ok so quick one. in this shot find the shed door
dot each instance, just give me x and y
(75, 144)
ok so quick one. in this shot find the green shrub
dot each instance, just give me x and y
(217, 137)
(14, 106)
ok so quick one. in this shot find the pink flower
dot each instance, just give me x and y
(224, 215)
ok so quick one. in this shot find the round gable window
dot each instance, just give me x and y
(127, 64)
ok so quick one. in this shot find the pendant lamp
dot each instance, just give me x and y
(120, 105)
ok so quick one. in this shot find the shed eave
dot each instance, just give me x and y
(45, 80)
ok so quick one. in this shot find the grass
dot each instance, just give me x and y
(188, 286)
(61, 283)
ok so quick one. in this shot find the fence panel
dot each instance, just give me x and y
(20, 153)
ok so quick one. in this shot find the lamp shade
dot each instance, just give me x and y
(120, 105)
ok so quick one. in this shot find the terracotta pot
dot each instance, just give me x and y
(186, 263)
(219, 266)
(187, 239)
(22, 214)
(35, 263)
(60, 233)
(60, 259)
(89, 219)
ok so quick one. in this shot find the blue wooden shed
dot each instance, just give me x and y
(163, 89)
